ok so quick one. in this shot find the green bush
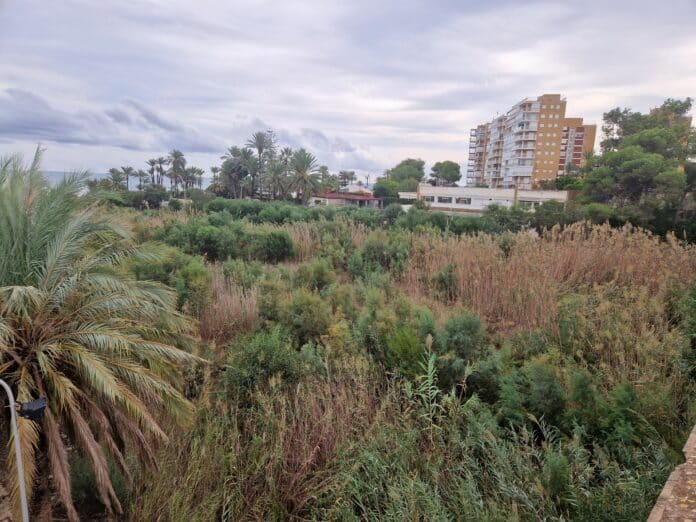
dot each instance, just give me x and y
(315, 275)
(254, 359)
(404, 353)
(464, 335)
(545, 397)
(243, 273)
(270, 246)
(175, 205)
(445, 285)
(187, 274)
(484, 380)
(208, 241)
(83, 484)
(386, 251)
(199, 198)
(526, 345)
(305, 316)
(462, 339)
(393, 212)
(586, 407)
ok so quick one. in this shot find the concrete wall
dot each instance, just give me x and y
(677, 502)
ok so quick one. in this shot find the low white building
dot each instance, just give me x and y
(470, 200)
(355, 188)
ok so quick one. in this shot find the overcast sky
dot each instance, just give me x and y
(361, 83)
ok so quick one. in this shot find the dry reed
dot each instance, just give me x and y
(230, 311)
(522, 289)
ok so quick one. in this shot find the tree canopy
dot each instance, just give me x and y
(643, 173)
(446, 173)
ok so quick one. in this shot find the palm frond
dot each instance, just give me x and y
(75, 327)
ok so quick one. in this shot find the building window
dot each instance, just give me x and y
(428, 199)
(444, 199)
(463, 201)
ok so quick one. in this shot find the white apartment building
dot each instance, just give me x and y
(474, 200)
(532, 143)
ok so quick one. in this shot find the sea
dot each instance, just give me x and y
(55, 176)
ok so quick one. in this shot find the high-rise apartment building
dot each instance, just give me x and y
(533, 142)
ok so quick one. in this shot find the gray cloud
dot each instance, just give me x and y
(362, 84)
(28, 116)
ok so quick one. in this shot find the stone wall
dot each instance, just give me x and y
(677, 502)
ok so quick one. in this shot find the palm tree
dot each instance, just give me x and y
(306, 179)
(192, 176)
(346, 177)
(177, 163)
(285, 158)
(116, 178)
(141, 175)
(161, 162)
(152, 164)
(128, 172)
(75, 328)
(238, 164)
(276, 180)
(263, 143)
(198, 174)
(214, 170)
(329, 182)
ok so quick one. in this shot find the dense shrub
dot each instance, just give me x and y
(384, 251)
(315, 275)
(269, 246)
(305, 316)
(243, 273)
(544, 396)
(464, 335)
(187, 274)
(219, 238)
(445, 285)
(404, 353)
(85, 493)
(254, 359)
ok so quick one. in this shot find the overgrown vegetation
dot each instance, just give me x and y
(360, 364)
(426, 375)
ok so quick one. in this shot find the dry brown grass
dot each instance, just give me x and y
(307, 429)
(522, 290)
(306, 239)
(357, 231)
(270, 461)
(230, 311)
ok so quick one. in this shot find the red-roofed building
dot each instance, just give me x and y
(341, 199)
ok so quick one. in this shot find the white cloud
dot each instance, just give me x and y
(363, 84)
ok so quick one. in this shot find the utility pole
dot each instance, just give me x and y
(18, 452)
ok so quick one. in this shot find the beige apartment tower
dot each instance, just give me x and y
(531, 144)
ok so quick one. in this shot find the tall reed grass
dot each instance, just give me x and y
(266, 462)
(231, 310)
(515, 281)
